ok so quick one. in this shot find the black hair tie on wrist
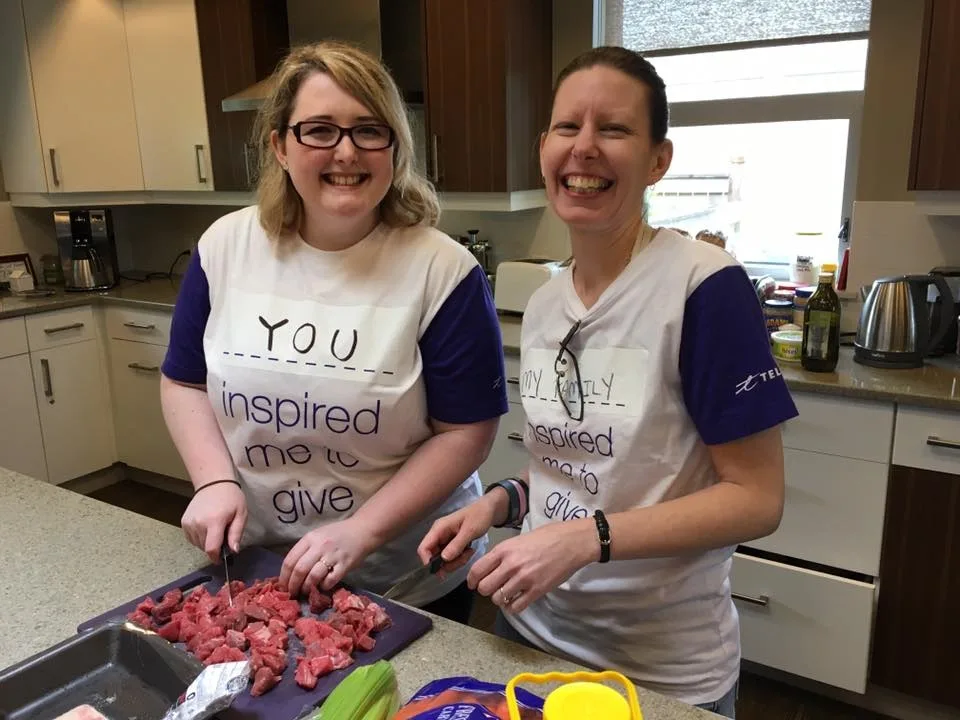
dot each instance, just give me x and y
(603, 532)
(217, 482)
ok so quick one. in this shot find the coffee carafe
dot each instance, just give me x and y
(88, 252)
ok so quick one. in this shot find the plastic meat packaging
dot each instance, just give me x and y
(213, 691)
(466, 698)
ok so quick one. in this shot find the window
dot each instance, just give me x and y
(765, 120)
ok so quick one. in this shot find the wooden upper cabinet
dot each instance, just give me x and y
(488, 77)
(935, 156)
(917, 626)
(168, 95)
(241, 42)
(84, 99)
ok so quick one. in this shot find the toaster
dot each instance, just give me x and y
(517, 280)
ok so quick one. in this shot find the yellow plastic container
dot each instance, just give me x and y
(581, 698)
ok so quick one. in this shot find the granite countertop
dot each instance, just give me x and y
(157, 294)
(68, 558)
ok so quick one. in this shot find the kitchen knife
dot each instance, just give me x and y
(227, 559)
(414, 578)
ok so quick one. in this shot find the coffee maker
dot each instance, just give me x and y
(88, 250)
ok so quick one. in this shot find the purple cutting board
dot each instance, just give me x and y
(287, 700)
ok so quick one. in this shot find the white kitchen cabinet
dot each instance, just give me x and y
(21, 155)
(81, 79)
(142, 437)
(21, 443)
(74, 409)
(164, 50)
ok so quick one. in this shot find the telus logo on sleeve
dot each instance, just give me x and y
(754, 380)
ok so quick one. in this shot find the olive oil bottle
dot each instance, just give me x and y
(821, 328)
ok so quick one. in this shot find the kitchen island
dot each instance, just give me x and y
(67, 558)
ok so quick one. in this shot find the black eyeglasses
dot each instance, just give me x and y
(319, 134)
(570, 392)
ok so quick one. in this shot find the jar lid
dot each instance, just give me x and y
(585, 701)
(777, 303)
(828, 268)
(805, 292)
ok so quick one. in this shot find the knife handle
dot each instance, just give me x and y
(436, 562)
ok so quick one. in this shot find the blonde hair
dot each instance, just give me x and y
(411, 200)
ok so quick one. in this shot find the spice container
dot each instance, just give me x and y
(800, 304)
(801, 271)
(777, 313)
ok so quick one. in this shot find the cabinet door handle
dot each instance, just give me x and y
(61, 328)
(516, 437)
(759, 600)
(513, 381)
(201, 175)
(47, 382)
(140, 326)
(934, 441)
(53, 167)
(435, 158)
(144, 368)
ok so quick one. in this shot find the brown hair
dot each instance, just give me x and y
(636, 66)
(411, 199)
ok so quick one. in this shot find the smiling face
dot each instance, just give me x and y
(341, 187)
(598, 157)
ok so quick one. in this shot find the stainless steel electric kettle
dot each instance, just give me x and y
(895, 329)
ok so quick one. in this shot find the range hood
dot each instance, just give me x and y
(249, 98)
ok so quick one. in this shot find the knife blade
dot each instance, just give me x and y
(414, 578)
(225, 557)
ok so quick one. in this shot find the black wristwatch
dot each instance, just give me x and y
(603, 532)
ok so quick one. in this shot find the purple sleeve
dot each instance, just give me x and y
(463, 356)
(732, 385)
(184, 360)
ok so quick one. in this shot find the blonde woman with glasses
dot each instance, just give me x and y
(334, 376)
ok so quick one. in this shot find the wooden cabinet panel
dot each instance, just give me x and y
(168, 94)
(918, 628)
(81, 78)
(935, 156)
(21, 443)
(241, 42)
(487, 92)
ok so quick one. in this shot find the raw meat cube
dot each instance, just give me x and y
(320, 602)
(236, 639)
(82, 712)
(340, 659)
(171, 631)
(232, 619)
(276, 625)
(141, 619)
(365, 643)
(188, 631)
(289, 611)
(206, 648)
(225, 654)
(146, 605)
(321, 665)
(267, 657)
(255, 610)
(167, 606)
(264, 681)
(305, 677)
(344, 600)
(378, 616)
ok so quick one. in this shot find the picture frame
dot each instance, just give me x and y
(15, 261)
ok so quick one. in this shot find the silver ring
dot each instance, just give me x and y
(503, 598)
(327, 566)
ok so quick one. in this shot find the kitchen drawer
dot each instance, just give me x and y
(139, 325)
(60, 327)
(803, 622)
(13, 337)
(841, 426)
(512, 366)
(927, 439)
(833, 512)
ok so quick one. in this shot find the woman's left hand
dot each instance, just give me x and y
(323, 556)
(522, 569)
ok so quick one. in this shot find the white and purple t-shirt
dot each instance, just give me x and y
(324, 368)
(673, 357)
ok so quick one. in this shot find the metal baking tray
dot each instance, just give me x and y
(123, 672)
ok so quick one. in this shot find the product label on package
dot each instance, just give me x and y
(818, 333)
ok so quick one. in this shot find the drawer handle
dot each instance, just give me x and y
(516, 437)
(201, 176)
(145, 368)
(140, 326)
(934, 441)
(61, 328)
(759, 600)
(47, 382)
(513, 381)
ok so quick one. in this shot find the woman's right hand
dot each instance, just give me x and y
(452, 534)
(214, 513)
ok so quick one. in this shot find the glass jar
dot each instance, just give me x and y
(777, 313)
(800, 299)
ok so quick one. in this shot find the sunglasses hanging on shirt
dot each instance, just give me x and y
(569, 386)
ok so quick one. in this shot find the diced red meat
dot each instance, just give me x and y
(214, 632)
(378, 616)
(232, 618)
(167, 606)
(188, 631)
(365, 643)
(253, 627)
(340, 659)
(320, 602)
(344, 600)
(256, 611)
(264, 681)
(225, 654)
(206, 648)
(267, 657)
(210, 605)
(276, 625)
(171, 631)
(141, 619)
(289, 611)
(305, 677)
(146, 605)
(236, 639)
